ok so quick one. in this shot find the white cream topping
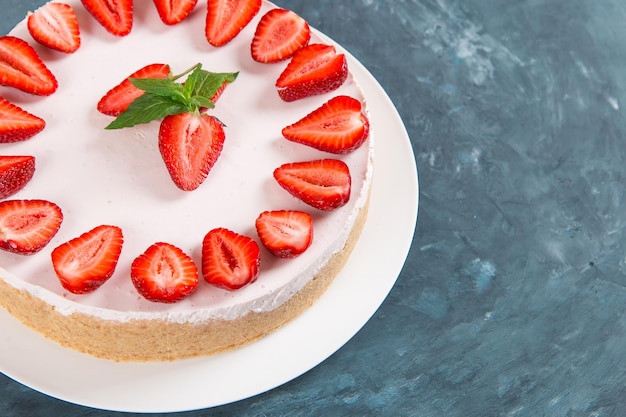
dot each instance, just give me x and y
(117, 177)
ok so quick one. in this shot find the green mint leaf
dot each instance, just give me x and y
(146, 108)
(208, 83)
(192, 81)
(201, 101)
(163, 87)
(165, 96)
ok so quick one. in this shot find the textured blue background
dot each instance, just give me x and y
(512, 300)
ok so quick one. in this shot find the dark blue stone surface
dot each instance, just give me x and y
(512, 301)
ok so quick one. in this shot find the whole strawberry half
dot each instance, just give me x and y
(226, 18)
(229, 260)
(26, 226)
(16, 124)
(285, 233)
(55, 25)
(15, 173)
(173, 12)
(86, 262)
(279, 34)
(324, 183)
(339, 126)
(315, 69)
(164, 273)
(22, 68)
(117, 99)
(116, 16)
(190, 143)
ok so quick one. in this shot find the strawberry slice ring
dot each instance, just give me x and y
(226, 19)
(285, 233)
(15, 172)
(339, 126)
(315, 69)
(174, 12)
(86, 262)
(279, 34)
(229, 260)
(16, 124)
(164, 273)
(324, 184)
(22, 68)
(116, 17)
(55, 26)
(26, 226)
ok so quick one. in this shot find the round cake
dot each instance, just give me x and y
(117, 177)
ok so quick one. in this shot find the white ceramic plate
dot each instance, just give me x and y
(371, 272)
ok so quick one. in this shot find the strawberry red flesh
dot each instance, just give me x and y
(86, 262)
(16, 124)
(116, 16)
(26, 226)
(229, 260)
(314, 69)
(279, 34)
(15, 173)
(164, 273)
(285, 233)
(339, 126)
(173, 12)
(190, 144)
(55, 26)
(117, 99)
(225, 19)
(22, 68)
(324, 183)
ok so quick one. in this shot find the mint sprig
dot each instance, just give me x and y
(164, 96)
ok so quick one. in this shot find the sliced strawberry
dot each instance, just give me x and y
(314, 69)
(116, 16)
(16, 124)
(164, 273)
(339, 126)
(55, 25)
(173, 12)
(15, 173)
(285, 233)
(117, 99)
(26, 226)
(190, 144)
(86, 262)
(226, 18)
(323, 183)
(229, 260)
(279, 34)
(22, 68)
